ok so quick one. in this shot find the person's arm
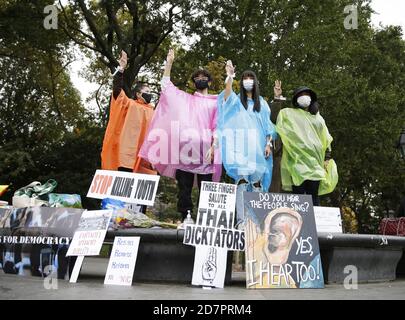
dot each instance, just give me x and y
(169, 63)
(118, 82)
(230, 72)
(168, 69)
(278, 102)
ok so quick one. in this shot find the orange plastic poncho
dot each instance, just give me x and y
(125, 133)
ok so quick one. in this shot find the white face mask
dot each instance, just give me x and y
(304, 101)
(248, 84)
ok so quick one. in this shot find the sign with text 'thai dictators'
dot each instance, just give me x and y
(125, 186)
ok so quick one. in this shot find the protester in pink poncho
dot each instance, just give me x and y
(180, 142)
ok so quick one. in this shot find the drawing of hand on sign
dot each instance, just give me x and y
(209, 268)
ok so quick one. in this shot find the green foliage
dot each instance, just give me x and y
(358, 75)
(46, 132)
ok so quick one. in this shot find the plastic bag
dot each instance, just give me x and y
(331, 179)
(36, 189)
(33, 194)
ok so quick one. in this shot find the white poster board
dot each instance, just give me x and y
(213, 234)
(122, 262)
(124, 186)
(89, 236)
(209, 266)
(328, 219)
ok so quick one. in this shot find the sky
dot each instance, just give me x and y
(388, 12)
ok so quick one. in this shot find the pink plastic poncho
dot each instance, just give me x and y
(181, 133)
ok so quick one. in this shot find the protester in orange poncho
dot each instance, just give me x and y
(127, 126)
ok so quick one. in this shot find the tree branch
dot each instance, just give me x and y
(112, 19)
(99, 40)
(73, 28)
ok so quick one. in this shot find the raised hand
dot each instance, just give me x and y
(170, 57)
(277, 89)
(123, 60)
(230, 69)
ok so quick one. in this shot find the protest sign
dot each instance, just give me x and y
(89, 237)
(213, 234)
(122, 261)
(125, 186)
(282, 249)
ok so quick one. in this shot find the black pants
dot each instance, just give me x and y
(185, 181)
(143, 208)
(308, 187)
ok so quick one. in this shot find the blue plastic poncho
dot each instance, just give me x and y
(242, 138)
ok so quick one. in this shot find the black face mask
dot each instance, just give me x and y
(147, 97)
(201, 84)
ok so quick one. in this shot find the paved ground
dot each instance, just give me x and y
(17, 287)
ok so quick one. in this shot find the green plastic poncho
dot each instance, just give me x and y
(305, 140)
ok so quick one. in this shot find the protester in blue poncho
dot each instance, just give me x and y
(245, 134)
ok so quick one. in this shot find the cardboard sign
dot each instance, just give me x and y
(89, 237)
(125, 186)
(213, 234)
(122, 261)
(282, 249)
(328, 219)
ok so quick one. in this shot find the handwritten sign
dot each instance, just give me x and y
(281, 241)
(89, 237)
(122, 261)
(125, 186)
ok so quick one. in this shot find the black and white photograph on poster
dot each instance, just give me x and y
(34, 240)
(88, 238)
(213, 234)
(282, 249)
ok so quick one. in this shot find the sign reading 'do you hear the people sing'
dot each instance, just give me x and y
(125, 186)
(282, 249)
(213, 234)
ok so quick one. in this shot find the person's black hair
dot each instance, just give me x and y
(313, 107)
(201, 72)
(139, 86)
(255, 91)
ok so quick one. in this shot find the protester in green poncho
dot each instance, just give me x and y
(306, 166)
